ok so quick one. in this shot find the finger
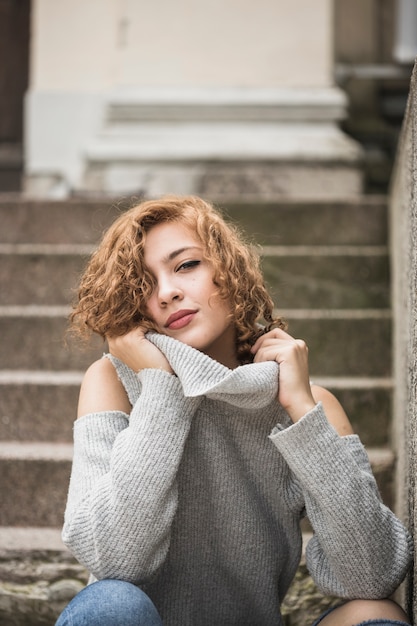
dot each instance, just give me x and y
(273, 352)
(275, 333)
(302, 344)
(282, 350)
(288, 341)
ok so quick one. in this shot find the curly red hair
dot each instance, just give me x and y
(116, 284)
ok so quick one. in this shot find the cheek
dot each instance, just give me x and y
(151, 308)
(223, 310)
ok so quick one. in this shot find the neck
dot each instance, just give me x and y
(226, 355)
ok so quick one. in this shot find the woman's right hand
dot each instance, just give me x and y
(138, 352)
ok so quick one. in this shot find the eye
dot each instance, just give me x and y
(187, 265)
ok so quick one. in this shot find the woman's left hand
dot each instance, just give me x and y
(294, 392)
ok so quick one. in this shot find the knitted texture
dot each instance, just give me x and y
(198, 494)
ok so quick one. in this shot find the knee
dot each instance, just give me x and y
(358, 611)
(110, 602)
(377, 609)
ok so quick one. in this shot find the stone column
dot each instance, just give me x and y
(224, 99)
(403, 231)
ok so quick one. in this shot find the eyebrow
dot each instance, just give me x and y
(172, 255)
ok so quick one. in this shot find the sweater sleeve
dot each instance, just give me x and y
(359, 548)
(123, 494)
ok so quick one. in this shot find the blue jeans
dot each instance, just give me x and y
(117, 603)
(110, 603)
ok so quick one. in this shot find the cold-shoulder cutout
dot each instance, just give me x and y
(101, 390)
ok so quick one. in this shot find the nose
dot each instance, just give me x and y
(168, 291)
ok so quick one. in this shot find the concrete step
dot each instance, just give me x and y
(40, 273)
(299, 276)
(30, 538)
(35, 479)
(33, 338)
(34, 483)
(38, 576)
(349, 277)
(353, 221)
(49, 221)
(38, 405)
(343, 342)
(42, 405)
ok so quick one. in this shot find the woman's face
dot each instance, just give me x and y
(184, 304)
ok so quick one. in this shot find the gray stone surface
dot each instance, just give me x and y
(44, 278)
(35, 586)
(325, 280)
(34, 484)
(403, 228)
(269, 181)
(353, 221)
(38, 341)
(304, 603)
(368, 355)
(350, 221)
(26, 408)
(47, 221)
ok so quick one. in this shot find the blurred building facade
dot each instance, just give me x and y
(220, 98)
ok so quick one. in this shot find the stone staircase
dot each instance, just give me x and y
(327, 264)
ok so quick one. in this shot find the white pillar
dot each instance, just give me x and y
(220, 98)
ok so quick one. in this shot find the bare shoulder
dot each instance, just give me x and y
(101, 390)
(335, 413)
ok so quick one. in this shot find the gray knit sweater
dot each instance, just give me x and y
(198, 494)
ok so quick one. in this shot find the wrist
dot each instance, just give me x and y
(299, 409)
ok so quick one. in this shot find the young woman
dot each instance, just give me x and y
(200, 444)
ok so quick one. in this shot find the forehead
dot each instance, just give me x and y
(163, 239)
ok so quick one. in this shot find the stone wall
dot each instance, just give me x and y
(403, 232)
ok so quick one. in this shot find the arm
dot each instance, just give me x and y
(360, 549)
(123, 494)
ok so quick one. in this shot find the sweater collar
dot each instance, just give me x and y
(248, 386)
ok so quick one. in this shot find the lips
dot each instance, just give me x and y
(179, 319)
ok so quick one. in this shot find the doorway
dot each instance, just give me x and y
(14, 77)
